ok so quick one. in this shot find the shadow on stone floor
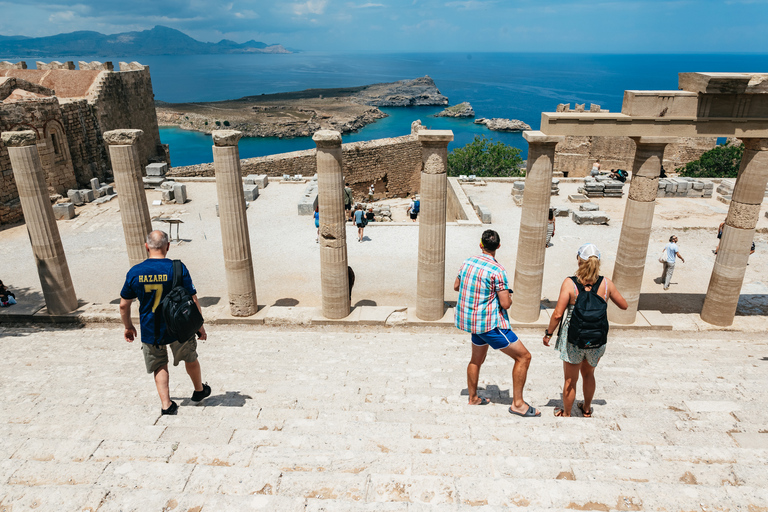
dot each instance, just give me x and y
(227, 399)
(286, 302)
(692, 303)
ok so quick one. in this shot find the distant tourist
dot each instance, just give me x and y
(670, 252)
(348, 200)
(484, 298)
(582, 305)
(719, 236)
(550, 227)
(7, 297)
(351, 279)
(595, 168)
(619, 175)
(413, 208)
(317, 225)
(150, 281)
(360, 222)
(662, 173)
(369, 216)
(370, 192)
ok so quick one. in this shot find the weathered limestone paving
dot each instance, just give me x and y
(739, 231)
(430, 286)
(531, 244)
(636, 228)
(235, 237)
(334, 277)
(55, 280)
(134, 210)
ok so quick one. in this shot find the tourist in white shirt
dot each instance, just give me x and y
(669, 265)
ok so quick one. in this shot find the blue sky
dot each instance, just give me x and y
(627, 26)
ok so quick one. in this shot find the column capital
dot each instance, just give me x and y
(122, 137)
(19, 139)
(327, 138)
(755, 144)
(538, 137)
(435, 137)
(655, 140)
(222, 138)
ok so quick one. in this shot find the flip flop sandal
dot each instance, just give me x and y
(560, 413)
(530, 413)
(584, 413)
(483, 401)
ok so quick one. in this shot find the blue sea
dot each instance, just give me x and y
(507, 85)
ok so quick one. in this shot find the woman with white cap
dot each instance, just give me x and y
(583, 359)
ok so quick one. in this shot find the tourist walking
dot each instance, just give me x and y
(413, 208)
(550, 227)
(348, 200)
(360, 222)
(370, 192)
(582, 307)
(719, 236)
(317, 225)
(484, 298)
(150, 281)
(670, 252)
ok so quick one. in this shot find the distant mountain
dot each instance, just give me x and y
(157, 41)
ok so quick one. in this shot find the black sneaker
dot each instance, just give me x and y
(199, 395)
(171, 410)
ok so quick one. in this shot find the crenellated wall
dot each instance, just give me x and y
(393, 163)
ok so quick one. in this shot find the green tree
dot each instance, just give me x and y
(719, 162)
(485, 158)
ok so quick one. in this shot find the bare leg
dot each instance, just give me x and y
(588, 383)
(193, 370)
(473, 372)
(571, 376)
(522, 357)
(161, 382)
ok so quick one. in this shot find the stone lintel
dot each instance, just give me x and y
(222, 138)
(538, 137)
(19, 139)
(435, 136)
(724, 83)
(122, 137)
(327, 138)
(655, 140)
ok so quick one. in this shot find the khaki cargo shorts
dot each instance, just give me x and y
(155, 357)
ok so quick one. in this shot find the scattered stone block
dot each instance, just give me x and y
(307, 201)
(87, 195)
(484, 213)
(105, 198)
(64, 211)
(518, 185)
(106, 190)
(153, 181)
(562, 211)
(157, 169)
(589, 207)
(180, 193)
(75, 197)
(257, 179)
(167, 195)
(724, 199)
(518, 200)
(95, 184)
(598, 218)
(251, 192)
(578, 198)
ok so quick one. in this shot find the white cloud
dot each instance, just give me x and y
(364, 6)
(310, 7)
(62, 16)
(470, 5)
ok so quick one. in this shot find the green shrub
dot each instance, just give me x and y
(722, 161)
(218, 123)
(485, 158)
(226, 123)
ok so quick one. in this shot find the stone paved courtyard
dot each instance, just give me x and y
(374, 419)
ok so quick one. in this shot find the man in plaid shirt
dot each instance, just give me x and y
(484, 298)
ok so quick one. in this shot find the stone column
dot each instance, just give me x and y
(235, 238)
(51, 261)
(739, 230)
(430, 286)
(134, 212)
(532, 241)
(334, 277)
(636, 227)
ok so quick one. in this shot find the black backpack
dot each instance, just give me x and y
(589, 319)
(179, 312)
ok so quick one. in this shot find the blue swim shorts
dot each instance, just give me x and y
(496, 338)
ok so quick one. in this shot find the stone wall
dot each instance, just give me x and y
(86, 146)
(393, 163)
(575, 155)
(125, 100)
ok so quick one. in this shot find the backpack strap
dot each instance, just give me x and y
(178, 279)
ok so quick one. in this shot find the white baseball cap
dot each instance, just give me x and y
(588, 250)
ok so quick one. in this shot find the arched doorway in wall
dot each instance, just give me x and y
(60, 173)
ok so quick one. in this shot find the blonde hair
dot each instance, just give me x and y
(589, 270)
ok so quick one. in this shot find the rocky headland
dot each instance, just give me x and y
(503, 125)
(463, 109)
(302, 113)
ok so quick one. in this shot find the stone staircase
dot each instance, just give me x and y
(376, 420)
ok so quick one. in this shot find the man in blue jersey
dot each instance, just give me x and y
(149, 281)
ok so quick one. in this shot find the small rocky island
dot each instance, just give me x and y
(463, 109)
(302, 113)
(503, 125)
